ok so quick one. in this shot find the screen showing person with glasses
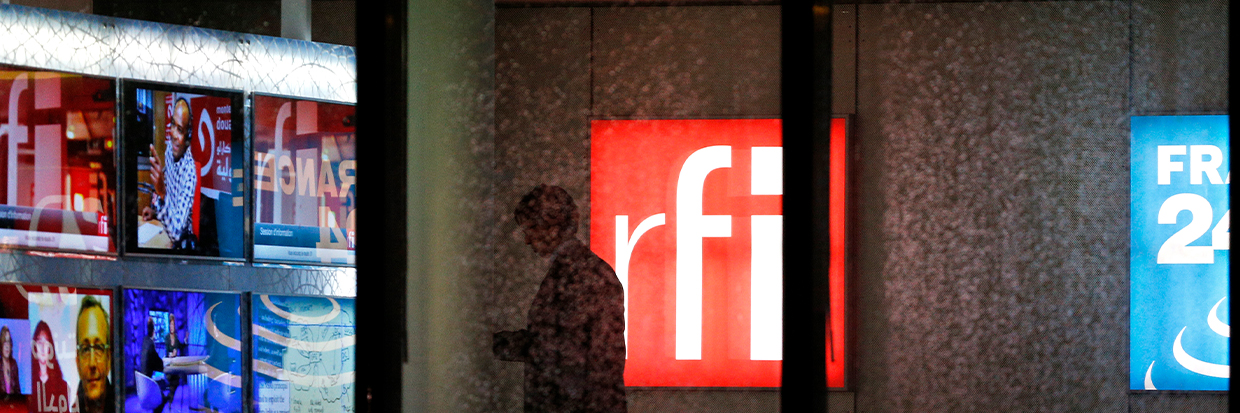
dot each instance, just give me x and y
(70, 321)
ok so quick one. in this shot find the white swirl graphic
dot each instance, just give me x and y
(1197, 366)
(319, 346)
(300, 319)
(1216, 325)
(1149, 381)
(209, 147)
(223, 377)
(303, 379)
(218, 335)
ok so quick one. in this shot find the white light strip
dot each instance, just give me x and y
(691, 228)
(766, 175)
(766, 288)
(131, 49)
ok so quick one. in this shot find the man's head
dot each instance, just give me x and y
(94, 356)
(182, 125)
(150, 327)
(548, 216)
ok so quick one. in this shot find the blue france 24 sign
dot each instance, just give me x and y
(1181, 219)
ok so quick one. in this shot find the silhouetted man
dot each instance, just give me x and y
(151, 362)
(573, 348)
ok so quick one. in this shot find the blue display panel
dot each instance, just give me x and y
(182, 351)
(1180, 318)
(304, 352)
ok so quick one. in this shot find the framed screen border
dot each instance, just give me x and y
(129, 171)
(251, 214)
(114, 227)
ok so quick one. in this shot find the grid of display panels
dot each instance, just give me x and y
(66, 348)
(188, 157)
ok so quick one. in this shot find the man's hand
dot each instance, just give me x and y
(157, 174)
(148, 214)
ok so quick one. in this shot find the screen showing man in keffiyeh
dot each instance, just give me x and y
(188, 199)
(174, 178)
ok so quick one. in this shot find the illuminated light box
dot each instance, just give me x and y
(305, 166)
(304, 351)
(57, 160)
(182, 351)
(689, 213)
(185, 192)
(1179, 259)
(60, 339)
(839, 267)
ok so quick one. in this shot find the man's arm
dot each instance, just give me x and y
(151, 211)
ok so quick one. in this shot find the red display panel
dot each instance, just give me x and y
(305, 166)
(689, 214)
(837, 323)
(56, 344)
(57, 161)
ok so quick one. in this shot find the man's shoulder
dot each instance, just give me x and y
(590, 270)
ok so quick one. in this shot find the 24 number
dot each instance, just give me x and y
(1176, 249)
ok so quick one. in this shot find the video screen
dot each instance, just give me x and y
(182, 351)
(303, 354)
(55, 349)
(186, 193)
(305, 166)
(57, 160)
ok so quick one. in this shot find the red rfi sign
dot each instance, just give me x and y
(689, 213)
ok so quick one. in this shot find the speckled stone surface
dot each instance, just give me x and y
(992, 182)
(131, 49)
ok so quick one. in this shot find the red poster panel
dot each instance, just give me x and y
(305, 166)
(837, 323)
(689, 213)
(57, 168)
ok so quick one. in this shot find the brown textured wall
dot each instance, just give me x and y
(993, 190)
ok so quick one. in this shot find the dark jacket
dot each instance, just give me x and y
(150, 362)
(574, 345)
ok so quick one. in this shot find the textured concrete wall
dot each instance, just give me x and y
(993, 189)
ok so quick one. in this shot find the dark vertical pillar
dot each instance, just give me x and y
(381, 258)
(806, 112)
